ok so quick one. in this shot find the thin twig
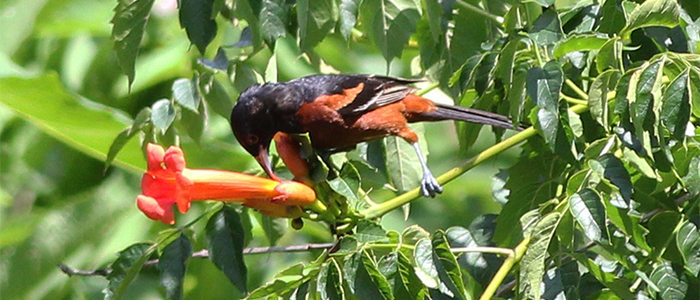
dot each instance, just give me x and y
(202, 254)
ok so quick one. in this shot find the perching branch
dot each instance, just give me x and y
(202, 254)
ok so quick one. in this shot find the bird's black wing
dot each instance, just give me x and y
(378, 91)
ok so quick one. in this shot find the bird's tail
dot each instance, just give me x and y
(460, 113)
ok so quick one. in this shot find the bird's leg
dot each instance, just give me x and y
(429, 185)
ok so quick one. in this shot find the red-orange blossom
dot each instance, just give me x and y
(168, 182)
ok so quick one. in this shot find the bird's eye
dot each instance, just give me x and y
(252, 139)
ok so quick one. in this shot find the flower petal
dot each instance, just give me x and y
(155, 156)
(157, 210)
(294, 193)
(174, 159)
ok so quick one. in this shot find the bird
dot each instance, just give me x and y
(341, 110)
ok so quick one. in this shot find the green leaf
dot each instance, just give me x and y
(412, 234)
(609, 56)
(532, 266)
(47, 107)
(329, 286)
(285, 281)
(194, 123)
(130, 17)
(584, 42)
(172, 265)
(612, 19)
(364, 279)
(628, 223)
(543, 3)
(648, 93)
(673, 283)
(402, 163)
(481, 266)
(661, 231)
(675, 110)
(120, 141)
(196, 19)
(688, 242)
(652, 13)
(185, 93)
(162, 114)
(273, 19)
(547, 28)
(612, 169)
(125, 269)
(616, 284)
(368, 231)
(588, 209)
(426, 270)
(543, 86)
(217, 98)
(598, 95)
(225, 237)
(447, 267)
(316, 19)
(348, 16)
(398, 270)
(244, 9)
(348, 183)
(390, 24)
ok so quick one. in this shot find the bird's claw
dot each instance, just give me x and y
(430, 187)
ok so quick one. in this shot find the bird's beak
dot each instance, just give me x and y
(263, 159)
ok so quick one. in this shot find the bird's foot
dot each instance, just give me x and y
(430, 186)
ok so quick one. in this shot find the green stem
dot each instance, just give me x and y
(494, 250)
(498, 19)
(385, 207)
(576, 89)
(572, 100)
(427, 89)
(505, 268)
(381, 209)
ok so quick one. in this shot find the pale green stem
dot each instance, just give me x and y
(505, 268)
(576, 89)
(478, 10)
(573, 100)
(396, 202)
(427, 89)
(494, 250)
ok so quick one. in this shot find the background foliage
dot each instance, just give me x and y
(599, 199)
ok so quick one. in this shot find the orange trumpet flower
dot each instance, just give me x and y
(168, 182)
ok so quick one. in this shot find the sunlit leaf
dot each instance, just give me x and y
(652, 13)
(368, 231)
(573, 43)
(329, 284)
(273, 18)
(162, 114)
(675, 110)
(672, 283)
(588, 209)
(390, 23)
(348, 16)
(688, 242)
(533, 263)
(185, 93)
(612, 169)
(547, 28)
(598, 95)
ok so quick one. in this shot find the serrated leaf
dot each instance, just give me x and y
(196, 19)
(586, 42)
(688, 242)
(673, 283)
(447, 267)
(543, 86)
(162, 114)
(329, 284)
(532, 266)
(348, 183)
(316, 19)
(390, 24)
(588, 209)
(130, 18)
(652, 13)
(225, 240)
(612, 169)
(412, 234)
(598, 95)
(348, 16)
(172, 265)
(675, 110)
(482, 266)
(273, 20)
(547, 28)
(125, 269)
(185, 94)
(368, 231)
(364, 279)
(285, 281)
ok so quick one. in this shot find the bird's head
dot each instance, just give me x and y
(253, 125)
